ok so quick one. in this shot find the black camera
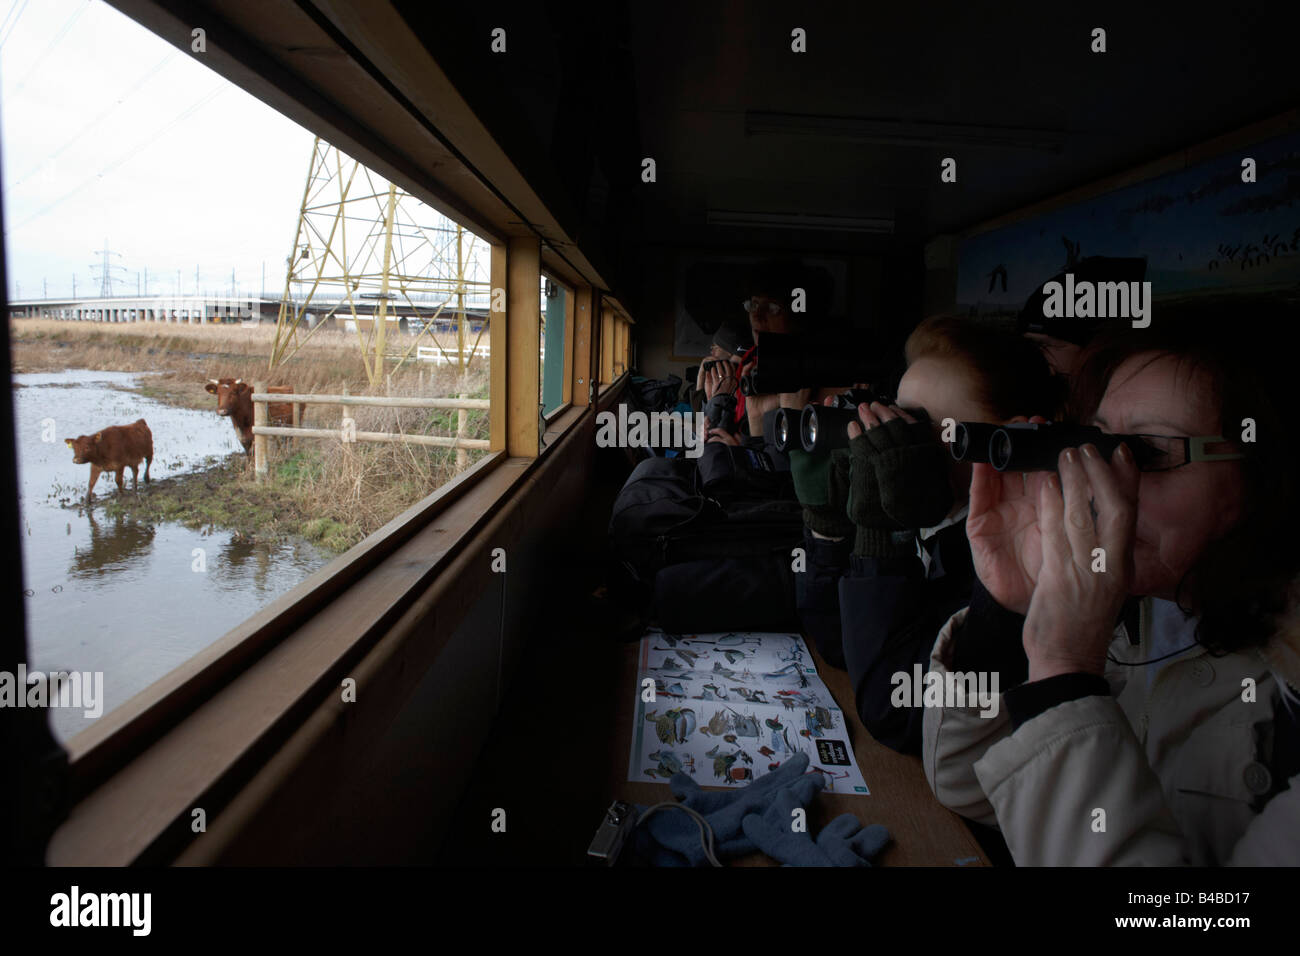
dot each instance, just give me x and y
(789, 362)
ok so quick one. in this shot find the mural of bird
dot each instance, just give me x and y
(999, 273)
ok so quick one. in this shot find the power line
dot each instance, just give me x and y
(150, 141)
(40, 57)
(10, 32)
(80, 135)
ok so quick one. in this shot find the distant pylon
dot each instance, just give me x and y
(106, 268)
(367, 250)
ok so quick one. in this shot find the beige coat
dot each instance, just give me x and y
(1174, 770)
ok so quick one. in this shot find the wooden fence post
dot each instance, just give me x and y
(259, 441)
(462, 419)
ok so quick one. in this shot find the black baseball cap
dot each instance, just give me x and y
(734, 336)
(1092, 269)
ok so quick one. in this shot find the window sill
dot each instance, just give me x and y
(180, 743)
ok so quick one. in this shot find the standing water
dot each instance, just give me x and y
(125, 597)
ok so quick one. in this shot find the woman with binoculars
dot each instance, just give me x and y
(1142, 615)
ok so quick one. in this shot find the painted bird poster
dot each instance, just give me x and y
(731, 707)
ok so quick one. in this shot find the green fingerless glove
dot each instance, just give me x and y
(878, 535)
(810, 474)
(911, 470)
(821, 483)
(864, 491)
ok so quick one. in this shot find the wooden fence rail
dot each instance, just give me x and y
(262, 429)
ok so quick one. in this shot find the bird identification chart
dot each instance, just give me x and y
(728, 708)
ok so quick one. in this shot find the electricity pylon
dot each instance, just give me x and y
(367, 250)
(106, 276)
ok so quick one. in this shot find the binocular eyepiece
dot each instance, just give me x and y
(1026, 446)
(823, 428)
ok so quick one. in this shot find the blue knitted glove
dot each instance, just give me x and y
(672, 838)
(848, 843)
(843, 842)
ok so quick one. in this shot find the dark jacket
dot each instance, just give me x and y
(888, 614)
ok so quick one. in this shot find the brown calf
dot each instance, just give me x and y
(115, 449)
(235, 400)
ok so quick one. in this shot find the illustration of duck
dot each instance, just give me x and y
(722, 765)
(717, 725)
(733, 655)
(766, 751)
(745, 726)
(780, 741)
(669, 764)
(674, 726)
(817, 721)
(730, 738)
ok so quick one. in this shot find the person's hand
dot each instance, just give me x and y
(1002, 528)
(720, 380)
(722, 435)
(876, 414)
(1074, 604)
(911, 465)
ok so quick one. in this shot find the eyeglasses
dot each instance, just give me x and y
(773, 308)
(1167, 452)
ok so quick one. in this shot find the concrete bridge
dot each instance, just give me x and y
(201, 309)
(152, 308)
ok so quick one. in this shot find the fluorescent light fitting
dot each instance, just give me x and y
(890, 132)
(723, 217)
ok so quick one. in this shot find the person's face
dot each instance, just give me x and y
(761, 317)
(718, 352)
(1182, 510)
(945, 388)
(1062, 356)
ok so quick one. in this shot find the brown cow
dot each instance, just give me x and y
(235, 400)
(115, 449)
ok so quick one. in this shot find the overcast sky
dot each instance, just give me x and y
(108, 132)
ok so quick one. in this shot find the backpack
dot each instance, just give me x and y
(664, 516)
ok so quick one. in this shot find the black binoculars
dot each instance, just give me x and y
(823, 428)
(1034, 447)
